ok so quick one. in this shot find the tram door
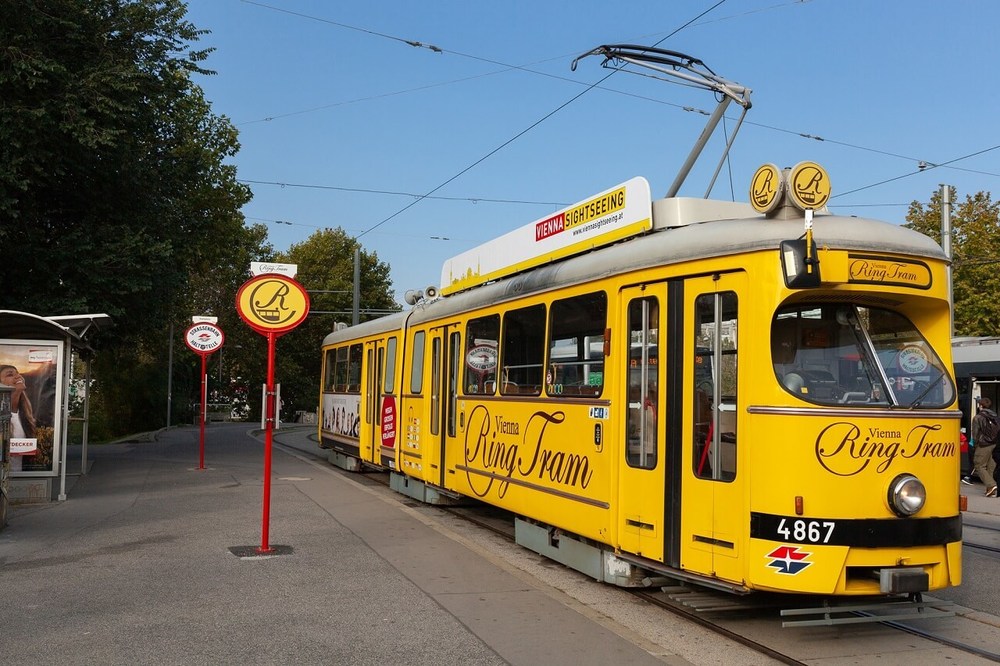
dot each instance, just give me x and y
(445, 421)
(642, 476)
(714, 515)
(371, 400)
(379, 409)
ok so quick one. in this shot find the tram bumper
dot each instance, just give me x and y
(903, 580)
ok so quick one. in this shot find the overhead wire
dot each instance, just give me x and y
(526, 68)
(528, 129)
(919, 170)
(505, 143)
(522, 132)
(363, 190)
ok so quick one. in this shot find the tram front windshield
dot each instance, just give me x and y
(843, 354)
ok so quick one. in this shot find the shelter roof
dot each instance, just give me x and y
(72, 328)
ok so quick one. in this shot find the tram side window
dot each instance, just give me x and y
(417, 364)
(435, 385)
(482, 336)
(329, 365)
(455, 347)
(354, 370)
(576, 346)
(389, 385)
(340, 371)
(715, 382)
(523, 351)
(643, 383)
(371, 384)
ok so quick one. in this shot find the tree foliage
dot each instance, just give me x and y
(115, 194)
(975, 226)
(326, 269)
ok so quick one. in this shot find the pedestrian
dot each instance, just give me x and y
(985, 428)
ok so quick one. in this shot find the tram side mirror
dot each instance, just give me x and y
(800, 264)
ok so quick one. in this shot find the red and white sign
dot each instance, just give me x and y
(388, 421)
(204, 338)
(482, 358)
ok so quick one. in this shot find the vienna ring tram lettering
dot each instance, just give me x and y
(504, 450)
(845, 450)
(776, 413)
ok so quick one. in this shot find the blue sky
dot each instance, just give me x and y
(331, 102)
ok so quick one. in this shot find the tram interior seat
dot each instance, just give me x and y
(511, 388)
(814, 383)
(793, 381)
(821, 383)
(859, 393)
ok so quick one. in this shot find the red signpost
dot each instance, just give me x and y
(271, 304)
(203, 338)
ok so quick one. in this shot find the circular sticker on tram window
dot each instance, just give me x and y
(912, 360)
(482, 358)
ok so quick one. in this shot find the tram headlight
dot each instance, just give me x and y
(907, 495)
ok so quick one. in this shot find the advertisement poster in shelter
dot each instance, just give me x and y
(31, 370)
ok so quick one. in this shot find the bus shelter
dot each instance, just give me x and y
(37, 355)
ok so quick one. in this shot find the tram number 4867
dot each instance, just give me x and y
(806, 531)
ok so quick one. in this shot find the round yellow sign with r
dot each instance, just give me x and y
(272, 303)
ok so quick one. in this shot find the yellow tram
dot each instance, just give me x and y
(749, 397)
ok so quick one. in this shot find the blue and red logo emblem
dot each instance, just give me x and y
(788, 560)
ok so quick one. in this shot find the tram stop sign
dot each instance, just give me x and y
(272, 303)
(204, 338)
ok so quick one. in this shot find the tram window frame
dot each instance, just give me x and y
(329, 368)
(522, 338)
(714, 396)
(417, 363)
(641, 427)
(341, 369)
(372, 385)
(577, 323)
(455, 360)
(481, 332)
(355, 356)
(436, 368)
(389, 375)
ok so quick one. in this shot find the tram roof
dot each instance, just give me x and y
(670, 242)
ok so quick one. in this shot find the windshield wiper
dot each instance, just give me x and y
(920, 398)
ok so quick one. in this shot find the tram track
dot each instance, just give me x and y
(502, 525)
(982, 547)
(944, 640)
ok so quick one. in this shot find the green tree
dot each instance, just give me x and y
(975, 224)
(115, 195)
(326, 269)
